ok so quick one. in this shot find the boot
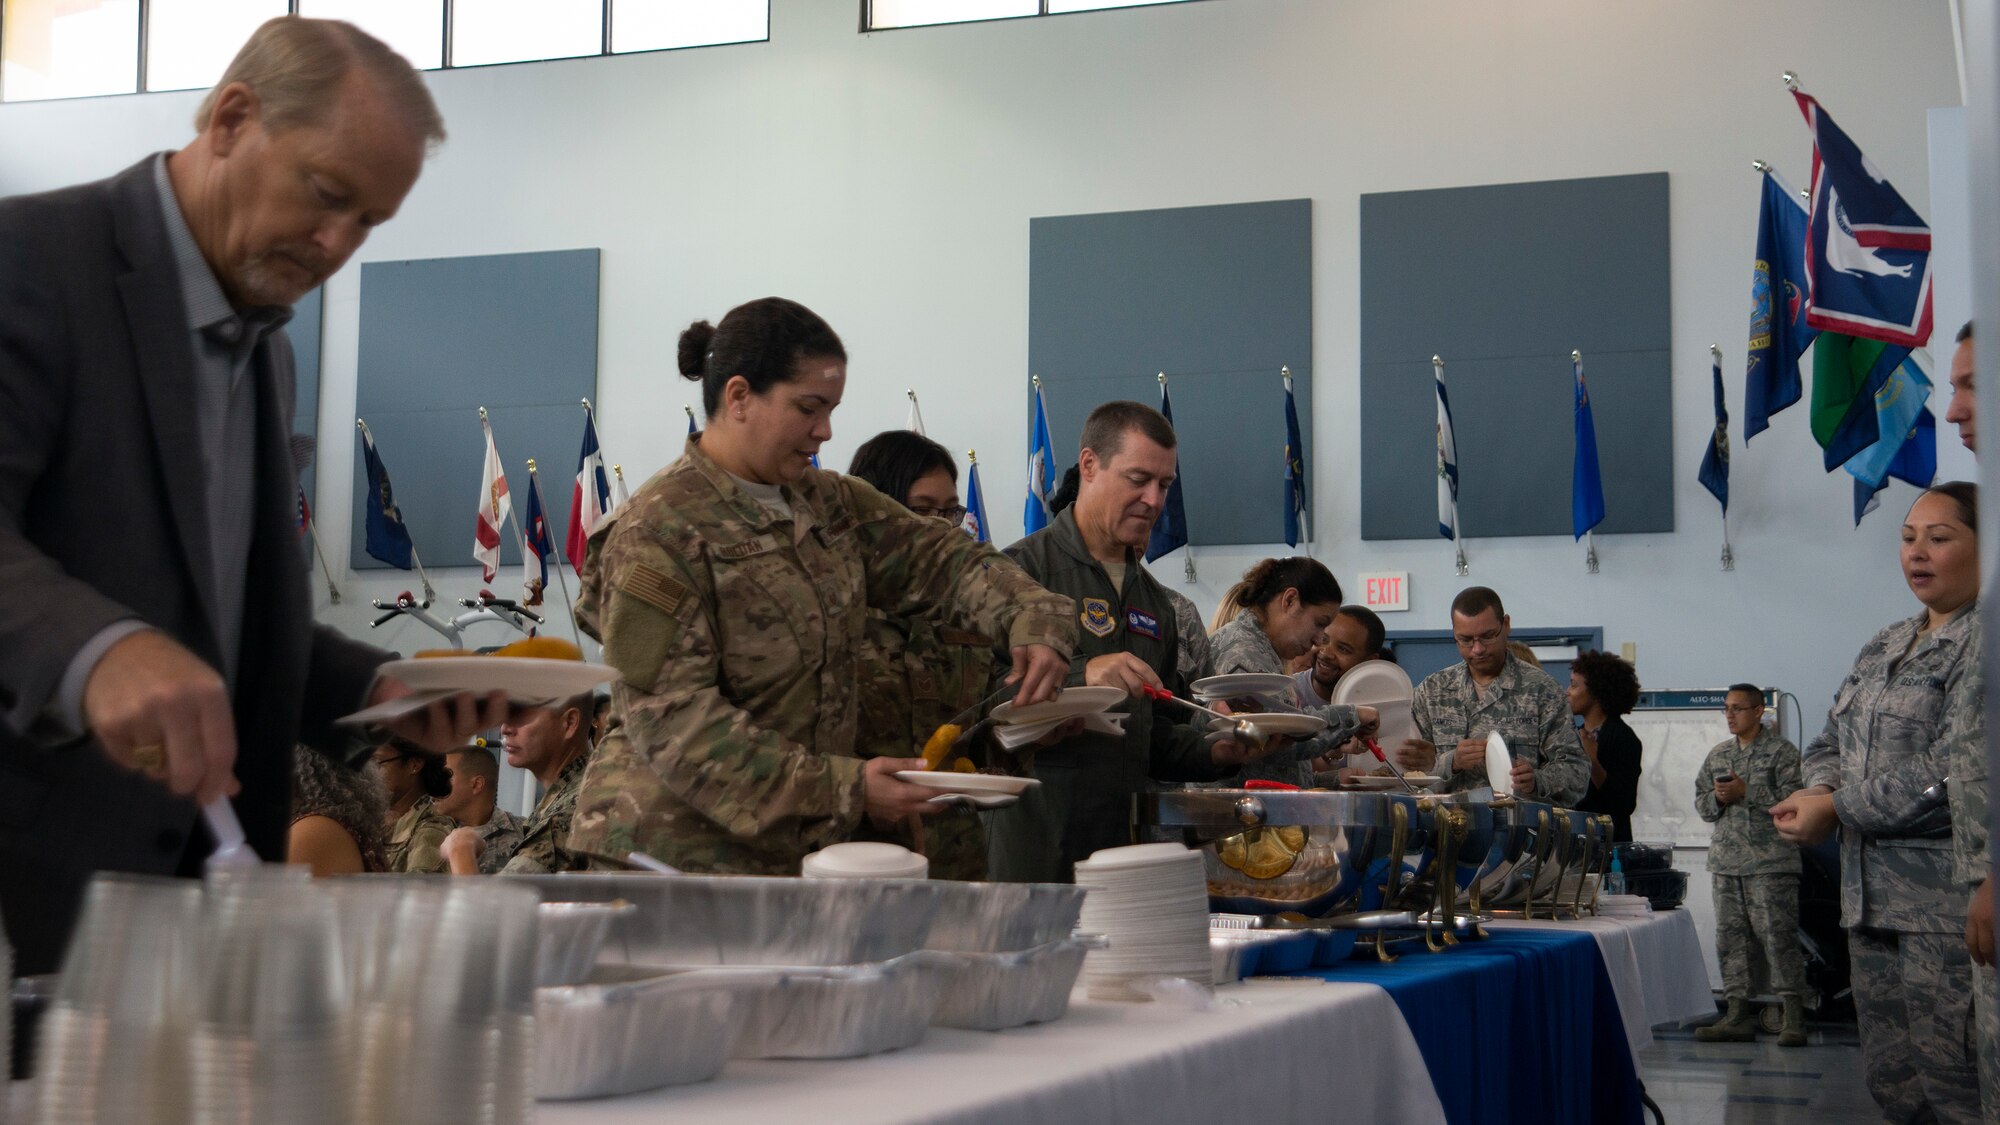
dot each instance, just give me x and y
(1793, 1033)
(1738, 1025)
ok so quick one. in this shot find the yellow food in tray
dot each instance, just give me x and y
(538, 648)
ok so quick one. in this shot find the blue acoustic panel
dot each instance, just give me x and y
(515, 333)
(1503, 281)
(1219, 298)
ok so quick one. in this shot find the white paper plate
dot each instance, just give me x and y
(525, 679)
(954, 782)
(1243, 683)
(1137, 855)
(1275, 722)
(977, 800)
(1373, 682)
(1068, 705)
(1499, 765)
(1420, 780)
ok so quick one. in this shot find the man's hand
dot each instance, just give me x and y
(1371, 722)
(1040, 670)
(1806, 817)
(1731, 791)
(1120, 670)
(1469, 755)
(461, 850)
(448, 723)
(1979, 923)
(1524, 777)
(1416, 754)
(159, 709)
(889, 800)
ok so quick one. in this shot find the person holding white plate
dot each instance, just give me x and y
(1457, 709)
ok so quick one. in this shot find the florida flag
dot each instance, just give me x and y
(494, 506)
(591, 497)
(1868, 253)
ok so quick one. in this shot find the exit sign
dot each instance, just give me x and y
(1387, 591)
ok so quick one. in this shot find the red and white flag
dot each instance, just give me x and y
(590, 499)
(494, 508)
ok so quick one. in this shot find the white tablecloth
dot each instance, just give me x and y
(1655, 965)
(1270, 1048)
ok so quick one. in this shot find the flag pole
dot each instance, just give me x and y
(332, 591)
(1728, 556)
(1457, 547)
(555, 549)
(1187, 549)
(1589, 537)
(690, 414)
(513, 517)
(1305, 518)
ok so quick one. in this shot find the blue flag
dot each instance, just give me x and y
(1715, 463)
(388, 539)
(975, 507)
(1915, 463)
(692, 428)
(1586, 486)
(535, 566)
(1896, 405)
(1041, 462)
(1868, 253)
(1447, 460)
(1779, 334)
(1295, 473)
(1170, 530)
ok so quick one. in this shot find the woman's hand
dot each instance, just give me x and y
(888, 799)
(1806, 817)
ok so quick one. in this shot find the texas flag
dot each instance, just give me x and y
(1868, 253)
(591, 497)
(494, 507)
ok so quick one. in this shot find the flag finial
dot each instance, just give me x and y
(1036, 380)
(1715, 350)
(482, 414)
(1575, 356)
(1284, 372)
(1437, 361)
(971, 456)
(912, 392)
(586, 403)
(531, 466)
(1163, 378)
(1761, 165)
(1791, 80)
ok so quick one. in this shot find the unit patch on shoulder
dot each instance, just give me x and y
(1142, 623)
(1096, 617)
(651, 585)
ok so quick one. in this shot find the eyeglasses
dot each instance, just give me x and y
(1736, 709)
(1484, 640)
(953, 515)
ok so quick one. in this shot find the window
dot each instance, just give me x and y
(68, 48)
(504, 31)
(881, 14)
(189, 42)
(415, 28)
(654, 25)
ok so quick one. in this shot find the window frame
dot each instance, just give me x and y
(1041, 10)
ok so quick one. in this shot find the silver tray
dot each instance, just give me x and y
(698, 920)
(991, 991)
(571, 933)
(1003, 917)
(629, 1029)
(833, 1011)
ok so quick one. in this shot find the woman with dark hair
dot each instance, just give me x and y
(1603, 689)
(732, 593)
(414, 778)
(337, 817)
(1905, 717)
(1287, 605)
(915, 674)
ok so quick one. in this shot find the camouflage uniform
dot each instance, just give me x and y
(1971, 861)
(737, 631)
(415, 839)
(1528, 710)
(1908, 710)
(1242, 646)
(543, 849)
(500, 838)
(1756, 873)
(1088, 782)
(915, 676)
(1194, 658)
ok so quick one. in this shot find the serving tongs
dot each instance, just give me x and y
(1375, 748)
(1242, 730)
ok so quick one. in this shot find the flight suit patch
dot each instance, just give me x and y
(1096, 617)
(1142, 623)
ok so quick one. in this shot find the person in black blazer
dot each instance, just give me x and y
(1603, 690)
(159, 645)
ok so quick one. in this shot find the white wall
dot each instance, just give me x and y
(887, 180)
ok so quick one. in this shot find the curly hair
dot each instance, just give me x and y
(1611, 681)
(353, 799)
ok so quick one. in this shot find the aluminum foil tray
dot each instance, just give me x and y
(571, 935)
(629, 1029)
(992, 991)
(1268, 952)
(688, 921)
(835, 1011)
(1004, 917)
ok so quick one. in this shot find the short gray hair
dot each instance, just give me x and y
(296, 65)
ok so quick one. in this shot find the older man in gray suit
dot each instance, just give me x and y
(158, 619)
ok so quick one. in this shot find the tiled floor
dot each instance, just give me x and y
(1739, 1083)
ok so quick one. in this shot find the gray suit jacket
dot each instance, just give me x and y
(102, 517)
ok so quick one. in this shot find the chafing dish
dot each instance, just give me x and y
(692, 920)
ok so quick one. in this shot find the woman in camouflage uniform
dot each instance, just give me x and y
(1876, 772)
(1287, 605)
(732, 595)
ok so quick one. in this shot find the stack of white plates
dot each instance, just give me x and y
(865, 859)
(1151, 901)
(1624, 904)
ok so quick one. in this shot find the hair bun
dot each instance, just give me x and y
(693, 356)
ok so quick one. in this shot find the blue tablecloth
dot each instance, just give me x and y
(1523, 1026)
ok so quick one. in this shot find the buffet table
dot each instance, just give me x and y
(1655, 965)
(1266, 1050)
